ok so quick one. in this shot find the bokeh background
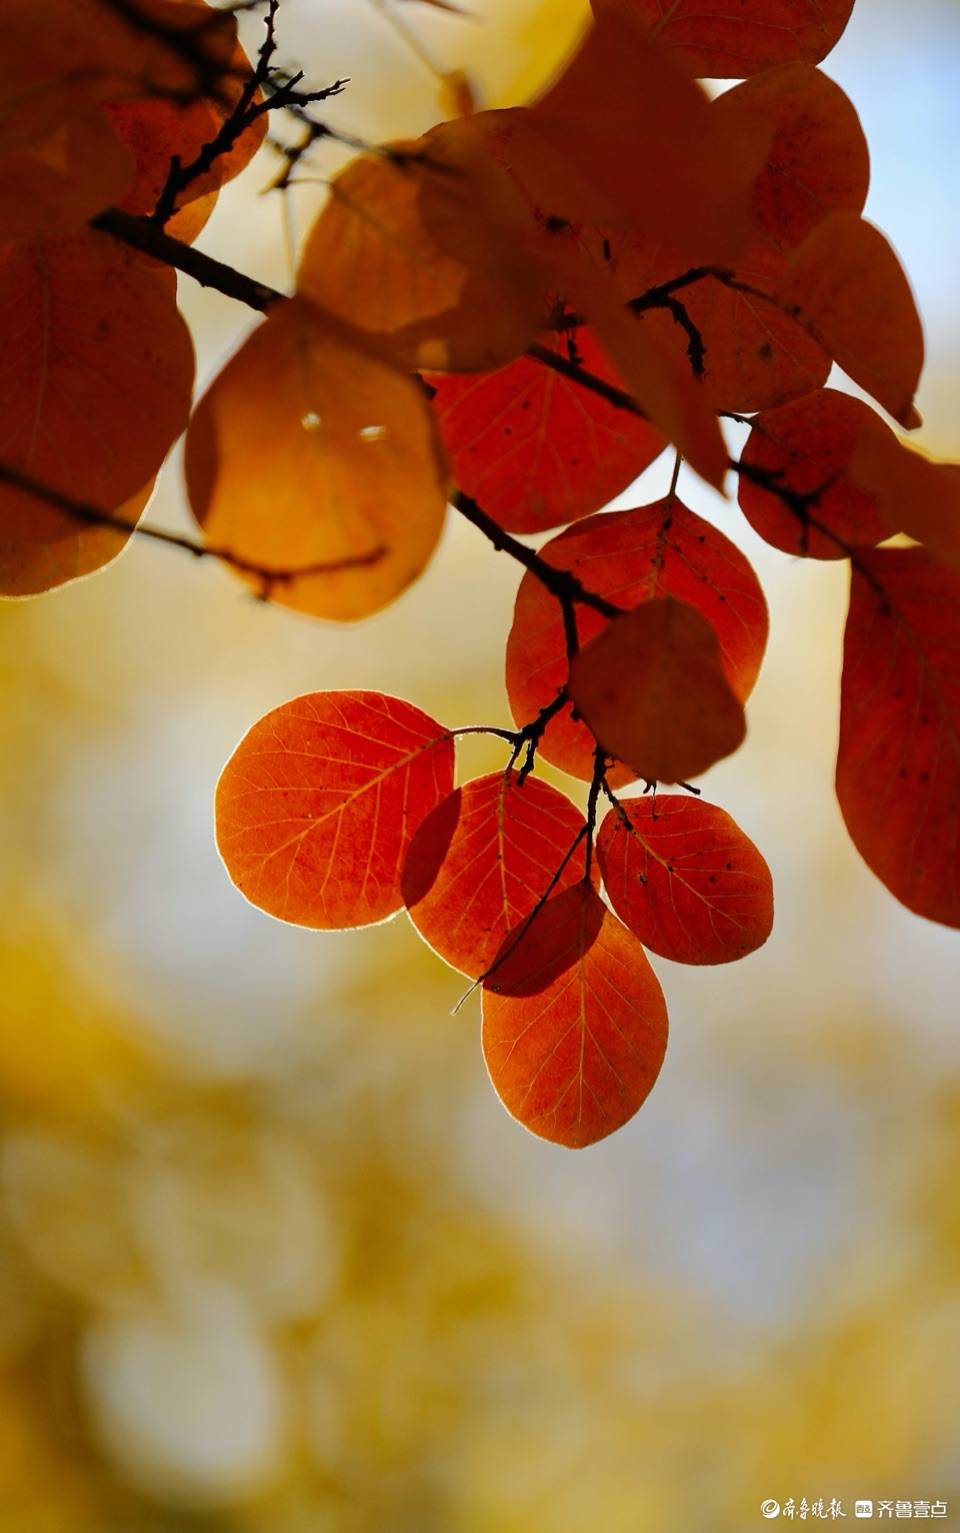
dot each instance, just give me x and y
(272, 1257)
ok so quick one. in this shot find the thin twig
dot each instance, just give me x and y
(93, 516)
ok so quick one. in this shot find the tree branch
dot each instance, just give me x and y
(92, 516)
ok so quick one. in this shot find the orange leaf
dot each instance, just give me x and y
(732, 38)
(95, 386)
(56, 181)
(754, 355)
(480, 862)
(847, 286)
(898, 765)
(811, 444)
(912, 493)
(307, 453)
(574, 1023)
(371, 259)
(318, 804)
(624, 138)
(685, 879)
(818, 159)
(652, 690)
(535, 448)
(630, 557)
(31, 566)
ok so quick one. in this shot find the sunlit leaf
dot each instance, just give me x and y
(630, 557)
(808, 445)
(898, 765)
(752, 355)
(733, 38)
(818, 159)
(652, 690)
(29, 566)
(574, 1023)
(535, 448)
(847, 286)
(95, 386)
(309, 454)
(480, 862)
(372, 259)
(685, 879)
(912, 493)
(58, 179)
(624, 138)
(317, 806)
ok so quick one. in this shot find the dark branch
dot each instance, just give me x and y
(92, 516)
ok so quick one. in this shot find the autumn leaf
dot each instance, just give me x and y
(652, 690)
(749, 355)
(93, 393)
(625, 139)
(483, 858)
(681, 874)
(847, 286)
(372, 259)
(535, 448)
(335, 470)
(818, 159)
(574, 1022)
(898, 764)
(734, 38)
(318, 805)
(912, 493)
(630, 557)
(809, 447)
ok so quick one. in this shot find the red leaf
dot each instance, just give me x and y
(630, 557)
(818, 159)
(623, 137)
(317, 806)
(898, 766)
(846, 285)
(913, 494)
(754, 355)
(810, 444)
(574, 1023)
(685, 879)
(732, 38)
(652, 690)
(482, 859)
(536, 449)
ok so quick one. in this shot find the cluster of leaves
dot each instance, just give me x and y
(527, 304)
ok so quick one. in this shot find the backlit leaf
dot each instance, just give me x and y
(630, 557)
(57, 180)
(536, 449)
(818, 159)
(729, 39)
(810, 444)
(479, 863)
(898, 765)
(574, 1023)
(685, 879)
(652, 690)
(30, 566)
(371, 259)
(847, 286)
(318, 804)
(307, 453)
(625, 139)
(754, 355)
(912, 493)
(95, 384)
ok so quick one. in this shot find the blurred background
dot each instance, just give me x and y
(272, 1257)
